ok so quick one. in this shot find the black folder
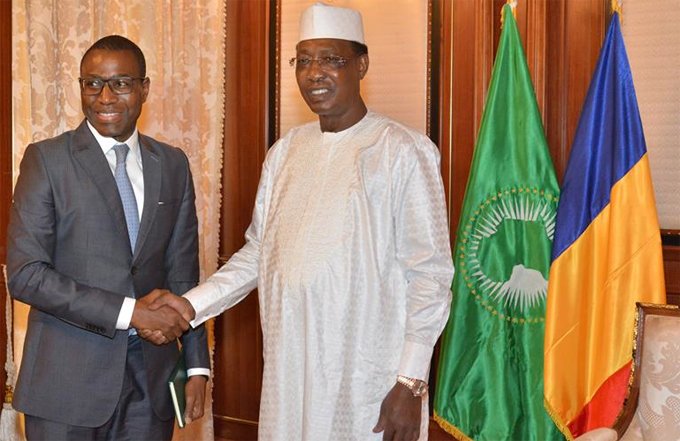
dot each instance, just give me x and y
(176, 383)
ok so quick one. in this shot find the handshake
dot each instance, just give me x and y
(161, 316)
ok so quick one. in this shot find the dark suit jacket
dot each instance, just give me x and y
(69, 258)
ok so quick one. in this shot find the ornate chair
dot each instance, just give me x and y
(652, 409)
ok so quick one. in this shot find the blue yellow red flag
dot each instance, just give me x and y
(606, 253)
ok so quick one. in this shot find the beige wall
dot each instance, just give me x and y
(652, 36)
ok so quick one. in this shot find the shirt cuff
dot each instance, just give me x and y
(125, 314)
(198, 371)
(415, 360)
(200, 297)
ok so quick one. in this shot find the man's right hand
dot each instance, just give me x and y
(166, 321)
(178, 303)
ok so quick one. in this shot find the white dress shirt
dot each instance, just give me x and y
(133, 165)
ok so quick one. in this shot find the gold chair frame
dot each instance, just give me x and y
(631, 402)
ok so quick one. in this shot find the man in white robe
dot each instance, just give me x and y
(349, 249)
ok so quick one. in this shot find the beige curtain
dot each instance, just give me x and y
(183, 41)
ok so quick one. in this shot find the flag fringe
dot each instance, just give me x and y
(558, 421)
(451, 429)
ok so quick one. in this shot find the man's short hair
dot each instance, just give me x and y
(359, 48)
(118, 43)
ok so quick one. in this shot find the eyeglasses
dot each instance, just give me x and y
(117, 85)
(331, 61)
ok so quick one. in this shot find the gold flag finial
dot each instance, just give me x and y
(616, 7)
(513, 8)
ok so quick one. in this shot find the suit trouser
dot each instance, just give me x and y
(132, 420)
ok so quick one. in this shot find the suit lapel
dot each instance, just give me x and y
(151, 164)
(89, 155)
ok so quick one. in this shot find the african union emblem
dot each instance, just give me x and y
(504, 252)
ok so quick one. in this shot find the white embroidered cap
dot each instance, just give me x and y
(324, 21)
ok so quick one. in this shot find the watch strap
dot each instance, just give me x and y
(417, 387)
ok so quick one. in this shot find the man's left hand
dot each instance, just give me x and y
(194, 391)
(399, 415)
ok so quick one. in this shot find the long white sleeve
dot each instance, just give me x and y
(238, 277)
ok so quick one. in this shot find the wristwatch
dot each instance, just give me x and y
(417, 387)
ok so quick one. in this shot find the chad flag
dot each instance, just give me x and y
(606, 252)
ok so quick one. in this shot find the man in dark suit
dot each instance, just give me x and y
(103, 219)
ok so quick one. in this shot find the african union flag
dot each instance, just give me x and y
(490, 377)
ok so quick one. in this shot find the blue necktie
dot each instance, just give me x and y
(127, 195)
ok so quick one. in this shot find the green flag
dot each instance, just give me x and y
(490, 377)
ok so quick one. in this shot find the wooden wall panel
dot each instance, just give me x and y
(441, 64)
(575, 31)
(671, 266)
(5, 158)
(465, 71)
(238, 355)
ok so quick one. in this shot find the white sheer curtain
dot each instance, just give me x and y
(183, 41)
